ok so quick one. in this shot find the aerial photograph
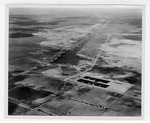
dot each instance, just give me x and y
(75, 60)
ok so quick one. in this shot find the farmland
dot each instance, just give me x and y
(84, 63)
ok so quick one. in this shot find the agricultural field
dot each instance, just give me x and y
(75, 62)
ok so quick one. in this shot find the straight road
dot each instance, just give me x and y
(100, 51)
(95, 37)
(80, 73)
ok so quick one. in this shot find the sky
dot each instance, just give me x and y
(44, 9)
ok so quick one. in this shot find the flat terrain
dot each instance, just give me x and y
(75, 64)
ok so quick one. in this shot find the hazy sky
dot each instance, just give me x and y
(82, 8)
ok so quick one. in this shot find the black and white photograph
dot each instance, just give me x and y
(75, 60)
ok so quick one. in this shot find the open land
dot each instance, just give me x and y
(75, 64)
